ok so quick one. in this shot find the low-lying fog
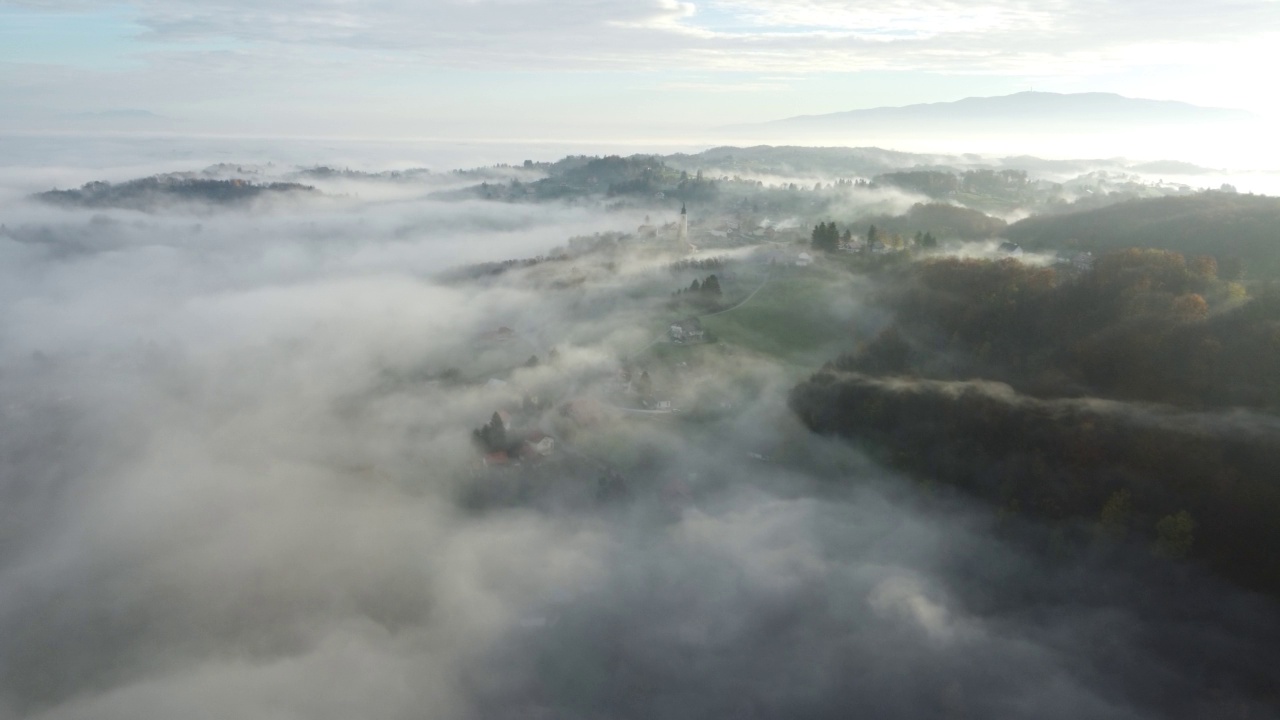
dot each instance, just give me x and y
(237, 479)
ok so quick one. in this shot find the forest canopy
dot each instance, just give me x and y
(1098, 400)
(1242, 232)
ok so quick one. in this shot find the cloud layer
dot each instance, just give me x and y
(231, 487)
(446, 66)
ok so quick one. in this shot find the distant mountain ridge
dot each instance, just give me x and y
(1043, 110)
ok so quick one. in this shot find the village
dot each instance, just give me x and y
(761, 296)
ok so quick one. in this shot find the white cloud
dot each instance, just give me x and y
(645, 33)
(273, 63)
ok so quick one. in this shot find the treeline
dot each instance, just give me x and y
(150, 193)
(924, 223)
(941, 220)
(1139, 325)
(712, 263)
(1188, 470)
(1007, 184)
(1242, 232)
(611, 175)
(1193, 485)
(709, 287)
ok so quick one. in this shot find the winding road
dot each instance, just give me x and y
(745, 300)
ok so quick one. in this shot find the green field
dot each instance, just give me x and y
(789, 319)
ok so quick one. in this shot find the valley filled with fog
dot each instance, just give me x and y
(335, 430)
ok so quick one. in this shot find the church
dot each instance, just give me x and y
(675, 235)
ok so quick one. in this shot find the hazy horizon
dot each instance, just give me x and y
(387, 360)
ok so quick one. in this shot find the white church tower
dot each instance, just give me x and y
(682, 229)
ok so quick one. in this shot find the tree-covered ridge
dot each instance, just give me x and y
(1138, 325)
(611, 176)
(941, 220)
(324, 172)
(1185, 484)
(793, 160)
(1242, 232)
(154, 192)
(1136, 398)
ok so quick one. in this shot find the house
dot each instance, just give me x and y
(804, 259)
(502, 334)
(540, 444)
(1082, 261)
(497, 459)
(585, 412)
(689, 330)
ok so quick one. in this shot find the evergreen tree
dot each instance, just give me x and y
(873, 236)
(644, 384)
(491, 437)
(694, 286)
(826, 237)
(711, 286)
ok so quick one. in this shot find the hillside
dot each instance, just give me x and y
(157, 192)
(1241, 231)
(1134, 401)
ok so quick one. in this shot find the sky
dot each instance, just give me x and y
(601, 68)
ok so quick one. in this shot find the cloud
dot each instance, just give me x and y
(233, 484)
(745, 35)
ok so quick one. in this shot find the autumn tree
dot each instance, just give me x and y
(1174, 535)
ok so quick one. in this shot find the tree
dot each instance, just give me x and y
(888, 353)
(1190, 307)
(826, 237)
(711, 286)
(873, 236)
(491, 437)
(1113, 521)
(1205, 266)
(644, 384)
(694, 286)
(1174, 535)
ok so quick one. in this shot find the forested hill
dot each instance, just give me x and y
(1138, 400)
(157, 192)
(1241, 231)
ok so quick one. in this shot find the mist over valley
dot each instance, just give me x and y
(334, 430)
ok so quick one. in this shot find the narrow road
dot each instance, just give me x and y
(745, 300)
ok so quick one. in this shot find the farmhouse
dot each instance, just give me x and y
(689, 330)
